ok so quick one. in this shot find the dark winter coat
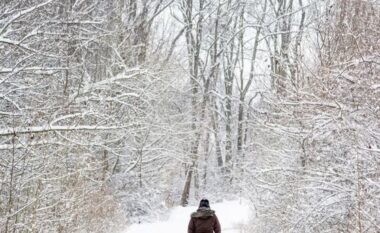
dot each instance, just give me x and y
(204, 221)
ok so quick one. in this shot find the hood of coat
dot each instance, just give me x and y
(203, 213)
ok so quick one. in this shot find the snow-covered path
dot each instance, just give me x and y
(232, 215)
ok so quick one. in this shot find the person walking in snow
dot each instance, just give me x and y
(204, 220)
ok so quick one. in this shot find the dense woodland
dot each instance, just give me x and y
(114, 111)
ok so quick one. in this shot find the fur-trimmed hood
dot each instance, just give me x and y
(203, 212)
(204, 221)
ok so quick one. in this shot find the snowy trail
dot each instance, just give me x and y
(232, 215)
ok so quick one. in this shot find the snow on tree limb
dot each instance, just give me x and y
(45, 129)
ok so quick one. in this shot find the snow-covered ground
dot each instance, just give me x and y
(232, 216)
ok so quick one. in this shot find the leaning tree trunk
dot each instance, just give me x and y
(193, 48)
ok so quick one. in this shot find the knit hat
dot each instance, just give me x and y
(204, 203)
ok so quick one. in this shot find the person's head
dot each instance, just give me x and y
(204, 203)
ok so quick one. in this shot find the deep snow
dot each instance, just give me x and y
(232, 216)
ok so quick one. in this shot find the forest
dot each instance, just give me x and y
(115, 111)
